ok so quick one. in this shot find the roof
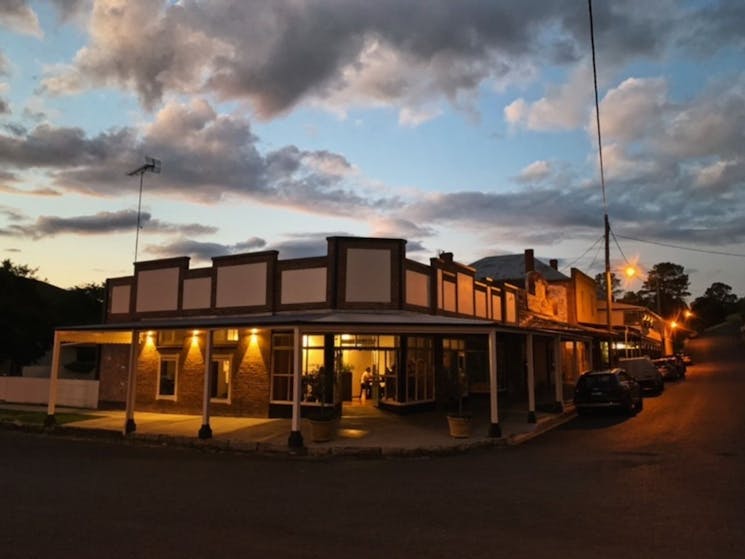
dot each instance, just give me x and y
(328, 320)
(511, 267)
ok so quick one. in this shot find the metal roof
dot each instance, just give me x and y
(511, 267)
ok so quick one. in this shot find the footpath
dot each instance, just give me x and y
(362, 431)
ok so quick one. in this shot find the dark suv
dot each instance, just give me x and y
(612, 388)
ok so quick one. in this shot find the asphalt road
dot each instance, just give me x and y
(669, 482)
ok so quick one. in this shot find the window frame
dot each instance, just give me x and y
(170, 358)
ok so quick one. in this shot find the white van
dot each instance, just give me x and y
(645, 373)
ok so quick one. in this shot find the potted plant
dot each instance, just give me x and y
(459, 421)
(323, 418)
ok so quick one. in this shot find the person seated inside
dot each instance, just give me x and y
(366, 384)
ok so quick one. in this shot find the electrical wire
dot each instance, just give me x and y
(679, 247)
(619, 248)
(569, 266)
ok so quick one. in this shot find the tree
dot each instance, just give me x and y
(615, 286)
(30, 310)
(714, 305)
(667, 285)
(18, 270)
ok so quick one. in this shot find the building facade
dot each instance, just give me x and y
(254, 335)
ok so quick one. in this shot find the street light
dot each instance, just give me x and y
(152, 165)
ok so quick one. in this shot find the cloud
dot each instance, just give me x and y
(400, 53)
(564, 106)
(103, 223)
(17, 16)
(203, 251)
(535, 172)
(43, 191)
(206, 157)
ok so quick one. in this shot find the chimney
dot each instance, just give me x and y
(529, 260)
(554, 263)
(446, 257)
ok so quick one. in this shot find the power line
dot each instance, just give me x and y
(583, 254)
(679, 247)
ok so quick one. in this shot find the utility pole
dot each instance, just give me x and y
(608, 281)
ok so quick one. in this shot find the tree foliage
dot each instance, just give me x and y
(601, 283)
(30, 310)
(714, 305)
(666, 287)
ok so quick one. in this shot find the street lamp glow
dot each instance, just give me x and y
(673, 325)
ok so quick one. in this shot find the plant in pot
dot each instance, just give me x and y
(459, 420)
(323, 418)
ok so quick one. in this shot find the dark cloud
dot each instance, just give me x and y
(205, 156)
(277, 54)
(103, 223)
(24, 192)
(19, 17)
(4, 107)
(203, 251)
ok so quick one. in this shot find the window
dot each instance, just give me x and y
(420, 372)
(282, 351)
(220, 373)
(170, 337)
(167, 377)
(226, 336)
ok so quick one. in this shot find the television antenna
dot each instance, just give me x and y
(151, 165)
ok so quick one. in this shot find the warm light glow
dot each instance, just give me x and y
(673, 324)
(688, 314)
(195, 337)
(254, 331)
(630, 272)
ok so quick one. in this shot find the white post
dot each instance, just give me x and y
(296, 438)
(129, 423)
(531, 380)
(52, 400)
(205, 431)
(494, 429)
(558, 380)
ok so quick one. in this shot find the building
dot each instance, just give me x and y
(254, 335)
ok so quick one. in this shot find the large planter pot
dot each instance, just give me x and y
(460, 426)
(322, 430)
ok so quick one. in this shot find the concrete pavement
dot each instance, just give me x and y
(362, 431)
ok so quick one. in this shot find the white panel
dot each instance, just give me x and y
(510, 308)
(197, 293)
(120, 299)
(448, 296)
(465, 294)
(76, 393)
(243, 285)
(496, 307)
(157, 290)
(481, 304)
(368, 276)
(303, 286)
(417, 288)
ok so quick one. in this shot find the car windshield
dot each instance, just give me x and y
(599, 381)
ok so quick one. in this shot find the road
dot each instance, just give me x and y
(669, 482)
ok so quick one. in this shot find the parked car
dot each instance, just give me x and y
(608, 389)
(670, 368)
(644, 372)
(687, 359)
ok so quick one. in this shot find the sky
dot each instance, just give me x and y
(467, 127)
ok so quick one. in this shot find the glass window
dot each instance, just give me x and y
(220, 373)
(420, 372)
(171, 337)
(225, 336)
(282, 351)
(167, 377)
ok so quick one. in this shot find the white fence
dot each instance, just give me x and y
(27, 390)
